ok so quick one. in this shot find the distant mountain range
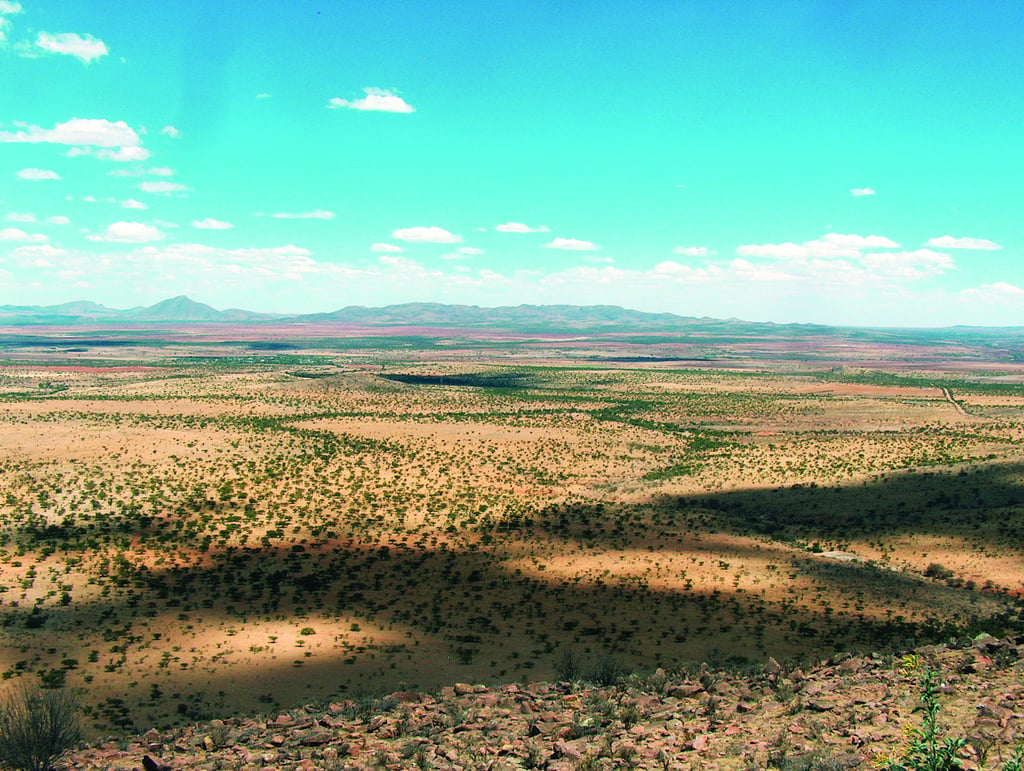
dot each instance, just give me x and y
(521, 318)
(182, 309)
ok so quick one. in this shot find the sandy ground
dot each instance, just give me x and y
(200, 539)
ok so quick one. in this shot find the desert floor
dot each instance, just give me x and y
(187, 533)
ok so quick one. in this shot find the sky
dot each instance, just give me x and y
(827, 162)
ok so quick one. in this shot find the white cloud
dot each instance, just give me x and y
(828, 246)
(123, 154)
(263, 95)
(381, 247)
(161, 187)
(918, 264)
(572, 244)
(7, 8)
(693, 251)
(433, 234)
(463, 253)
(211, 224)
(787, 250)
(519, 227)
(37, 252)
(58, 219)
(15, 216)
(847, 244)
(376, 100)
(998, 292)
(131, 203)
(83, 47)
(404, 269)
(170, 131)
(319, 214)
(130, 233)
(857, 192)
(203, 262)
(156, 171)
(841, 240)
(81, 132)
(36, 175)
(673, 269)
(17, 234)
(949, 242)
(749, 271)
(586, 274)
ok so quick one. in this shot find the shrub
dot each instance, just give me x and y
(926, 750)
(568, 666)
(938, 571)
(37, 727)
(606, 670)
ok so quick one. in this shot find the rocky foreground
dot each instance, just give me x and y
(849, 712)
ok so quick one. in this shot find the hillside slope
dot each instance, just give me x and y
(848, 712)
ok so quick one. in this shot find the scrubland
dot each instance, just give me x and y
(184, 536)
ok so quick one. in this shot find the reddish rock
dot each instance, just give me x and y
(566, 750)
(685, 691)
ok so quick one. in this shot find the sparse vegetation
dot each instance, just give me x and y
(37, 726)
(226, 510)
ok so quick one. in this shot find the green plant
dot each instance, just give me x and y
(1016, 761)
(36, 727)
(926, 749)
(606, 670)
(568, 666)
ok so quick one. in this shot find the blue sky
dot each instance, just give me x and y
(849, 163)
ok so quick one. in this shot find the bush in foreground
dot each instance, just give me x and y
(37, 727)
(927, 749)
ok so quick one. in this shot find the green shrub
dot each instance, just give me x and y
(36, 727)
(568, 666)
(927, 750)
(938, 571)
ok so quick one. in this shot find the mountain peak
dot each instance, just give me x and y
(180, 308)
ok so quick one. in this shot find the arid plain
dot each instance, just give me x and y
(214, 518)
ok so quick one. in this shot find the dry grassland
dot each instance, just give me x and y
(187, 539)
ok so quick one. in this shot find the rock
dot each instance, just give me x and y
(698, 743)
(544, 728)
(685, 691)
(316, 739)
(1001, 715)
(820, 704)
(986, 642)
(566, 750)
(406, 697)
(150, 763)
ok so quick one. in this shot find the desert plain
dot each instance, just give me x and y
(198, 520)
